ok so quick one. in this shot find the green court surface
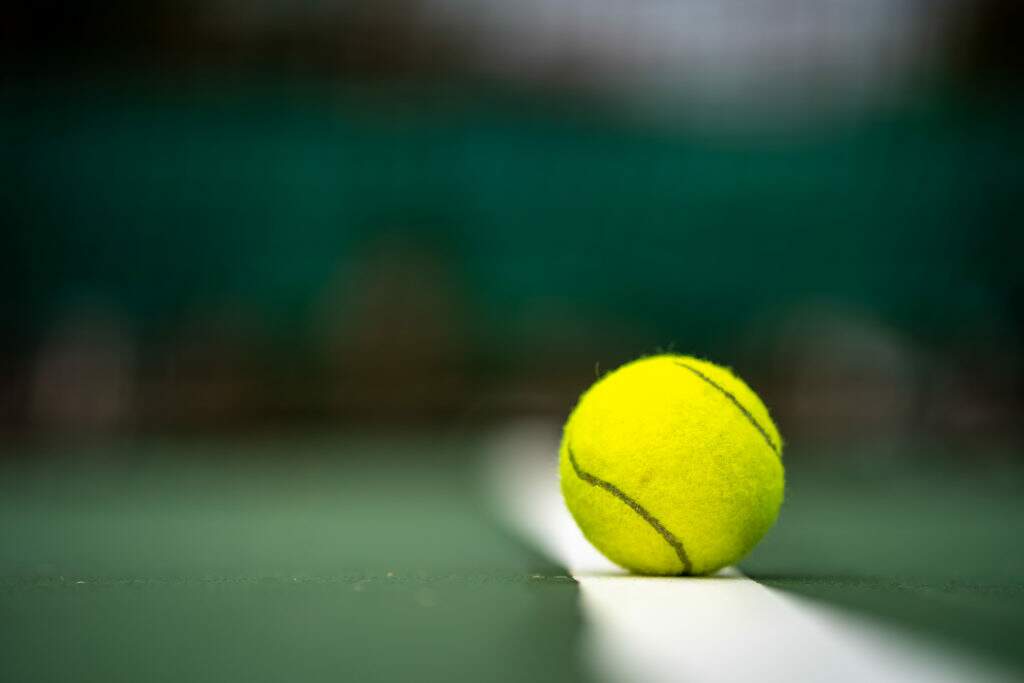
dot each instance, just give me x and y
(378, 559)
(313, 561)
(931, 540)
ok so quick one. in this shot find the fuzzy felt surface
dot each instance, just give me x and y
(671, 465)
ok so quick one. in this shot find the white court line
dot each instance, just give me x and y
(722, 628)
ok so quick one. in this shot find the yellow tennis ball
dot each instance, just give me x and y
(671, 465)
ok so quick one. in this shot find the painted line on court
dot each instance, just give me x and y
(724, 628)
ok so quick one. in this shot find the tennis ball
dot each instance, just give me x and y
(671, 465)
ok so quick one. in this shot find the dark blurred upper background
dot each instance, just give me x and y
(259, 215)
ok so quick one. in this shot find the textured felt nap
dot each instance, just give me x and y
(671, 465)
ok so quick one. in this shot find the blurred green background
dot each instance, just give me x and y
(344, 213)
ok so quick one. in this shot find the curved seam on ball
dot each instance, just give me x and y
(735, 402)
(639, 509)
